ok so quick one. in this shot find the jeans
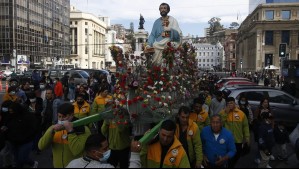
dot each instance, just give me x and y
(22, 153)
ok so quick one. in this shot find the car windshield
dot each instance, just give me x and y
(84, 74)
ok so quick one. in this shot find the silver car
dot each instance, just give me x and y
(284, 106)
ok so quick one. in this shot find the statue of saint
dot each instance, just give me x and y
(141, 22)
(165, 29)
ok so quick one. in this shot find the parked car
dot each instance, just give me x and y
(80, 76)
(220, 82)
(238, 82)
(95, 71)
(284, 106)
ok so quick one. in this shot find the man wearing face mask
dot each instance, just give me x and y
(97, 153)
(6, 154)
(67, 142)
(82, 108)
(11, 94)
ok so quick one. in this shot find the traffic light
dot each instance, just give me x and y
(282, 49)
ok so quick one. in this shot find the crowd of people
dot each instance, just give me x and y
(212, 132)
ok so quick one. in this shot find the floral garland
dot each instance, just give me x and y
(158, 89)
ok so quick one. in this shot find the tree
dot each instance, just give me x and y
(234, 25)
(215, 25)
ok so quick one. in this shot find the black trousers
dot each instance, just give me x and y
(232, 162)
(120, 157)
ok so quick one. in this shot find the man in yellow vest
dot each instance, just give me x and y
(189, 135)
(165, 151)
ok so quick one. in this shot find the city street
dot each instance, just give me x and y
(45, 158)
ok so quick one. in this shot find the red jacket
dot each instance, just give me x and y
(58, 89)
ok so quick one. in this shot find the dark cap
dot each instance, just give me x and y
(230, 99)
(218, 93)
(66, 108)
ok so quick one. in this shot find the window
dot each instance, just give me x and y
(278, 97)
(86, 23)
(269, 38)
(252, 95)
(285, 15)
(285, 37)
(269, 14)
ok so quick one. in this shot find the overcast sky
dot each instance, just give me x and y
(192, 15)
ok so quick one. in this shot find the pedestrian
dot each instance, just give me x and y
(20, 131)
(71, 90)
(217, 143)
(82, 91)
(218, 103)
(265, 139)
(6, 154)
(199, 115)
(50, 108)
(188, 134)
(118, 136)
(34, 106)
(81, 107)
(97, 152)
(264, 107)
(236, 121)
(65, 85)
(100, 102)
(67, 142)
(165, 150)
(281, 137)
(245, 107)
(11, 94)
(58, 88)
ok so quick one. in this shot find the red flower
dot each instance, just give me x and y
(140, 98)
(123, 102)
(169, 44)
(144, 105)
(135, 99)
(158, 99)
(130, 102)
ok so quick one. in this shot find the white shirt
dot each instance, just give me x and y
(81, 163)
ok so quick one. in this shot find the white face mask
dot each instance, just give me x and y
(242, 102)
(33, 100)
(4, 109)
(42, 86)
(54, 81)
(61, 122)
(12, 93)
(106, 156)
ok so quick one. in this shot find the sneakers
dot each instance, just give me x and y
(257, 160)
(35, 165)
(268, 166)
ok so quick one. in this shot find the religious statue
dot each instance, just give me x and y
(141, 22)
(165, 29)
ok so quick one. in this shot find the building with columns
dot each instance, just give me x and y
(87, 42)
(263, 31)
